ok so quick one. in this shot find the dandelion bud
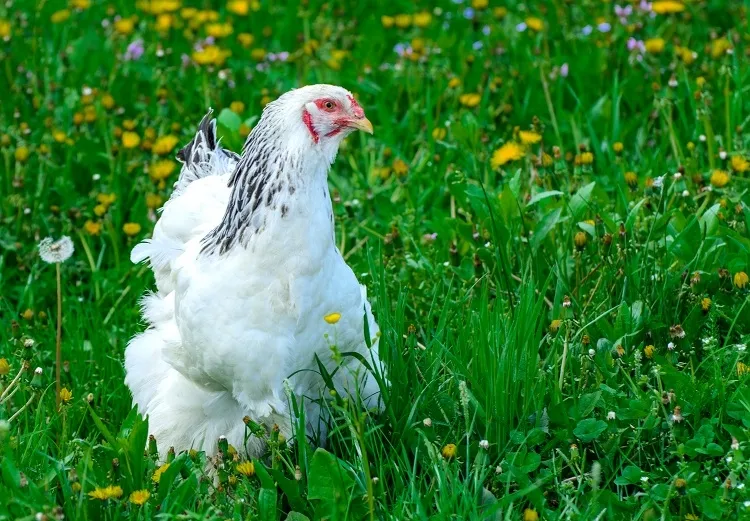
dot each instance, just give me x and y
(453, 252)
(477, 266)
(223, 444)
(580, 240)
(152, 450)
(36, 380)
(170, 455)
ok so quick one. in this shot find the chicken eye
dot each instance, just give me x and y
(328, 105)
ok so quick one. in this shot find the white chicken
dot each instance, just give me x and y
(250, 283)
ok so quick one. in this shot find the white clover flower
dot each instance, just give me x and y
(56, 251)
(38, 370)
(723, 154)
(427, 422)
(611, 415)
(484, 444)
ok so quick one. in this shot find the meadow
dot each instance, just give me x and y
(551, 219)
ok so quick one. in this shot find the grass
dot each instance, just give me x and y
(563, 310)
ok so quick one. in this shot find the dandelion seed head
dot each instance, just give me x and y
(56, 251)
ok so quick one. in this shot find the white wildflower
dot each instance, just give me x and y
(723, 154)
(427, 422)
(484, 444)
(56, 251)
(611, 415)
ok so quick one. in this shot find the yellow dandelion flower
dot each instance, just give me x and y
(631, 179)
(479, 4)
(508, 152)
(719, 178)
(470, 100)
(403, 20)
(667, 7)
(741, 279)
(258, 54)
(554, 326)
(130, 139)
(422, 19)
(244, 130)
(719, 47)
(165, 144)
(528, 137)
(105, 493)
(654, 45)
(691, 517)
(530, 515)
(686, 55)
(60, 16)
(154, 201)
(332, 318)
(439, 133)
(705, 304)
(454, 83)
(219, 30)
(387, 21)
(22, 154)
(80, 4)
(237, 107)
(65, 395)
(131, 229)
(246, 468)
(4, 29)
(106, 199)
(100, 210)
(742, 369)
(92, 228)
(59, 136)
(4, 367)
(158, 472)
(618, 147)
(739, 164)
(239, 7)
(210, 55)
(124, 26)
(534, 23)
(649, 351)
(245, 39)
(449, 451)
(164, 22)
(586, 158)
(161, 170)
(500, 12)
(400, 167)
(139, 497)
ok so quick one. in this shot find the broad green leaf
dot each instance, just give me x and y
(580, 202)
(589, 429)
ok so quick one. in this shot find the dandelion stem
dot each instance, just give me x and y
(13, 382)
(19, 411)
(58, 343)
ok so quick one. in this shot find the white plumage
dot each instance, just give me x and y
(246, 270)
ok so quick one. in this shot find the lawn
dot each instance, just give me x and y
(551, 219)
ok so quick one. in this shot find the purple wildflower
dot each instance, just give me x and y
(564, 70)
(134, 51)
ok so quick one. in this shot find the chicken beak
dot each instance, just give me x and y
(362, 124)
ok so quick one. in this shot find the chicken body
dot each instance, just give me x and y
(247, 271)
